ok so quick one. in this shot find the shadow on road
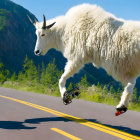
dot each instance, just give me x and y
(122, 128)
(14, 125)
(67, 119)
(21, 125)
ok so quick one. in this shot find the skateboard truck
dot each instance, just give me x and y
(121, 110)
(69, 95)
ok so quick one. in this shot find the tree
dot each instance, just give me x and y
(84, 82)
(70, 86)
(4, 73)
(50, 76)
(42, 77)
(30, 71)
(21, 76)
(112, 89)
(13, 77)
(134, 96)
(38, 74)
(83, 85)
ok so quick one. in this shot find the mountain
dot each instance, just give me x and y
(17, 39)
(16, 34)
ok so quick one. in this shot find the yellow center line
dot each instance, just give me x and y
(65, 134)
(100, 127)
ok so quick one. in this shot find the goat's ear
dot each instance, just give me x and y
(33, 22)
(49, 26)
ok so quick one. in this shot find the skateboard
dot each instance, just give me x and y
(69, 95)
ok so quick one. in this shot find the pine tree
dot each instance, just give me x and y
(84, 82)
(4, 73)
(42, 77)
(134, 96)
(112, 90)
(70, 86)
(30, 71)
(38, 73)
(21, 77)
(13, 77)
(51, 75)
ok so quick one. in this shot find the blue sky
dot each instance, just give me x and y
(126, 9)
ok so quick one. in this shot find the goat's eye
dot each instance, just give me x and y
(43, 35)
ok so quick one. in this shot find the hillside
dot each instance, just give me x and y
(17, 36)
(17, 39)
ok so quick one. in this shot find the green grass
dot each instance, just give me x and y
(98, 95)
(134, 106)
(38, 88)
(98, 98)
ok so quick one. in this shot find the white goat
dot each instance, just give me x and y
(89, 34)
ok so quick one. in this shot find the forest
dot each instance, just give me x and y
(44, 79)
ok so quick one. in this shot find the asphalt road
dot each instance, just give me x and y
(30, 116)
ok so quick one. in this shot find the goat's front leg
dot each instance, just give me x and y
(70, 69)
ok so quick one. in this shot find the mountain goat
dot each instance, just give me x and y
(89, 34)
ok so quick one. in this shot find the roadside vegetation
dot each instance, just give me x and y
(44, 79)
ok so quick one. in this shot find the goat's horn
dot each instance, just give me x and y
(49, 26)
(44, 23)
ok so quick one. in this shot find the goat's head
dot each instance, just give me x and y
(44, 39)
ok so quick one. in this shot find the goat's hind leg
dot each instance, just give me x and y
(70, 69)
(128, 90)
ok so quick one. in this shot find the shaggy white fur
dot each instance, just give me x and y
(89, 34)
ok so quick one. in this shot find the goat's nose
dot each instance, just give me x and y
(37, 52)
